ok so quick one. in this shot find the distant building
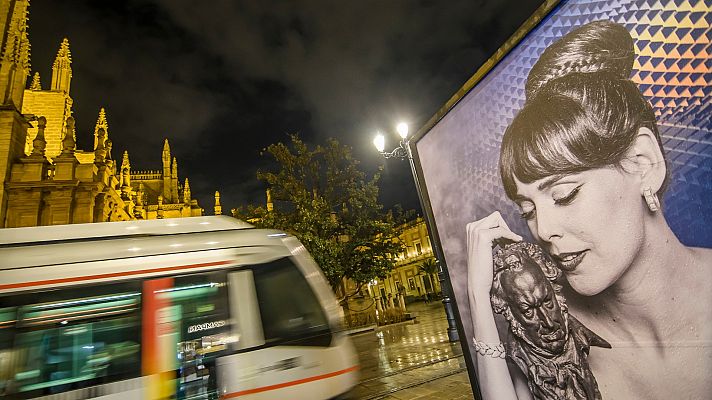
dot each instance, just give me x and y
(407, 282)
(46, 180)
(385, 301)
(407, 279)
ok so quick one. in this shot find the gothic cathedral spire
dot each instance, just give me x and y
(174, 181)
(186, 192)
(218, 207)
(101, 122)
(100, 150)
(36, 85)
(166, 158)
(125, 177)
(62, 68)
(125, 170)
(15, 56)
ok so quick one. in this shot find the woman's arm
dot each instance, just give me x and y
(492, 371)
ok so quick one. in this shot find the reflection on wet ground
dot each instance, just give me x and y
(412, 360)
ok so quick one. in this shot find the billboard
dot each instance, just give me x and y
(568, 187)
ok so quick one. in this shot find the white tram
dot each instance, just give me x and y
(191, 308)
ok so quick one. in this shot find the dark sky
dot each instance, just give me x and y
(224, 79)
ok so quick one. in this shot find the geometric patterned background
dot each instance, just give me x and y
(673, 71)
(459, 155)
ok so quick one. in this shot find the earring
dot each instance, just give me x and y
(651, 199)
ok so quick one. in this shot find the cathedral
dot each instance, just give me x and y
(46, 180)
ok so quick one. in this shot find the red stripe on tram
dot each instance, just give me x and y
(110, 275)
(290, 383)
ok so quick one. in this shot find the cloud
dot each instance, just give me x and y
(151, 81)
(224, 79)
(354, 63)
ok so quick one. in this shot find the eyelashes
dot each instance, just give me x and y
(563, 201)
(527, 215)
(569, 197)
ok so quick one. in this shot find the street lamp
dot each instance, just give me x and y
(402, 129)
(380, 142)
(403, 151)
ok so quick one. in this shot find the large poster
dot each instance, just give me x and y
(571, 193)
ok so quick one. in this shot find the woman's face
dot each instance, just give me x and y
(590, 222)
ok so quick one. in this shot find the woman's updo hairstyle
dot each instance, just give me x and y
(581, 112)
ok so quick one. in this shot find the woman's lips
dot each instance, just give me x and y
(569, 261)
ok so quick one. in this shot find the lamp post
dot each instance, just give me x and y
(403, 151)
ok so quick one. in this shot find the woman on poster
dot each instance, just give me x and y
(584, 162)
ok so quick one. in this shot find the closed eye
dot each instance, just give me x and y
(527, 209)
(569, 197)
(527, 215)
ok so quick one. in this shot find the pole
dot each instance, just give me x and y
(444, 283)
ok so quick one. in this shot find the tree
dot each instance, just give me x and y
(429, 268)
(323, 198)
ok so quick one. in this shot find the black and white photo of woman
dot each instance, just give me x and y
(584, 163)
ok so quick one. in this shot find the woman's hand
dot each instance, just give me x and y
(493, 371)
(481, 237)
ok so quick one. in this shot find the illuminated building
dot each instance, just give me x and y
(46, 180)
(407, 278)
(385, 300)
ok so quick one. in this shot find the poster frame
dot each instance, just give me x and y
(547, 7)
(541, 15)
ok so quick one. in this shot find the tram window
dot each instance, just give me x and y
(201, 301)
(290, 312)
(60, 340)
(199, 305)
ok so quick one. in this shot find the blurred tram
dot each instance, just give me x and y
(190, 308)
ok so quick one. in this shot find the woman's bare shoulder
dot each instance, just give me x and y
(695, 276)
(699, 279)
(703, 258)
(693, 287)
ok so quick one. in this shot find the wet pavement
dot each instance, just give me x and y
(412, 360)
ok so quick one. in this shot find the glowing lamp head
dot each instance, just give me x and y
(380, 142)
(402, 129)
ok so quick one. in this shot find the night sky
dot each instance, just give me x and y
(224, 79)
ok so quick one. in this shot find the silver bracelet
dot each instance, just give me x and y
(490, 350)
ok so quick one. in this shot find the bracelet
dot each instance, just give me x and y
(490, 350)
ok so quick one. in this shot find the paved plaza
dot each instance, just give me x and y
(412, 360)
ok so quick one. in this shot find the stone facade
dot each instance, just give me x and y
(14, 69)
(45, 180)
(385, 301)
(54, 104)
(406, 279)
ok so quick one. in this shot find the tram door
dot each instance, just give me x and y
(190, 328)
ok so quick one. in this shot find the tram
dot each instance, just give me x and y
(190, 308)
